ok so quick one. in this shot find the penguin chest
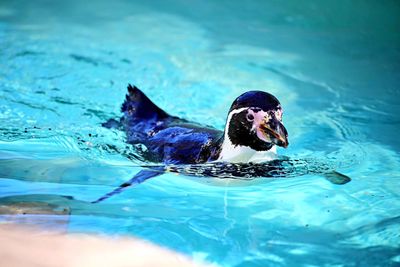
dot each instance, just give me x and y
(244, 154)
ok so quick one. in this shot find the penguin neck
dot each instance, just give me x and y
(242, 154)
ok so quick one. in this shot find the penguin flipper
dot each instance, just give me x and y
(337, 178)
(138, 105)
(139, 178)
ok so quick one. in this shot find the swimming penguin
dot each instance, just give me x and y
(252, 132)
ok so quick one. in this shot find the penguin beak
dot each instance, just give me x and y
(273, 131)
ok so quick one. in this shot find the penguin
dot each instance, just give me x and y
(253, 130)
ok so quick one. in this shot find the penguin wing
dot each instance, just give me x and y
(138, 178)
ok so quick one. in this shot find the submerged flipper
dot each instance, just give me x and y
(139, 178)
(337, 178)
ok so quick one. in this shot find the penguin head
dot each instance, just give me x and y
(255, 121)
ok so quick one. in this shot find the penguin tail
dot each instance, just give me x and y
(138, 105)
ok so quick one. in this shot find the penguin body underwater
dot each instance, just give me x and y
(253, 130)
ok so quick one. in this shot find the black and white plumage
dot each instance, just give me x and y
(254, 127)
(253, 130)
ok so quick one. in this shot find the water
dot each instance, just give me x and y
(64, 67)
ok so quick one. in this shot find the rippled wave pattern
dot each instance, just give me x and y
(64, 68)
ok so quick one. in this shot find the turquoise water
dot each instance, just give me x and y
(64, 67)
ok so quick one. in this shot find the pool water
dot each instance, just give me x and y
(64, 68)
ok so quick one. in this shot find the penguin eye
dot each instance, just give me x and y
(250, 117)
